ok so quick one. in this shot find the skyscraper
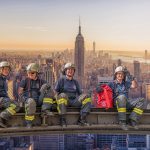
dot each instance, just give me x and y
(48, 71)
(137, 70)
(79, 57)
(94, 47)
(119, 62)
(146, 54)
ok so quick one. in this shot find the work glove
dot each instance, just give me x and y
(129, 77)
(99, 89)
(45, 87)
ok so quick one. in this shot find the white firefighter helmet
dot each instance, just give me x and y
(119, 69)
(67, 66)
(4, 64)
(33, 67)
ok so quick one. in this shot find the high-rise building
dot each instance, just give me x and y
(53, 141)
(79, 141)
(94, 47)
(114, 67)
(111, 141)
(146, 54)
(137, 70)
(119, 62)
(49, 71)
(79, 57)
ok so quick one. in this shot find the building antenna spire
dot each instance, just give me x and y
(79, 26)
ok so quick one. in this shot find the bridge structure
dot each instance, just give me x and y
(101, 121)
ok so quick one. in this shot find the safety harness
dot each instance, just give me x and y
(28, 85)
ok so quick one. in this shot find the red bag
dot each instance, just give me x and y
(104, 99)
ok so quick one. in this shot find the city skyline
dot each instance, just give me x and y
(113, 25)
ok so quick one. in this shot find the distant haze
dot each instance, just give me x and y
(53, 24)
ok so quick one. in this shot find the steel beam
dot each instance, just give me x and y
(102, 122)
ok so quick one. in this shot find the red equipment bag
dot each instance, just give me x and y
(104, 99)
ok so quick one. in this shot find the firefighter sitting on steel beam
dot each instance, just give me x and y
(69, 94)
(33, 92)
(10, 106)
(123, 81)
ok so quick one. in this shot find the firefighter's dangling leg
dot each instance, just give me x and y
(85, 109)
(121, 102)
(137, 105)
(62, 101)
(47, 106)
(11, 108)
(46, 98)
(30, 109)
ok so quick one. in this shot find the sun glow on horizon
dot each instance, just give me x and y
(119, 25)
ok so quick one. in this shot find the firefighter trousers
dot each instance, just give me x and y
(30, 109)
(48, 104)
(136, 105)
(63, 102)
(9, 107)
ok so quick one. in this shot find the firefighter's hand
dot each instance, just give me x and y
(99, 89)
(128, 75)
(131, 77)
(127, 72)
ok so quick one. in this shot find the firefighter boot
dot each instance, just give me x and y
(63, 122)
(123, 125)
(134, 124)
(82, 120)
(4, 116)
(49, 113)
(29, 124)
(2, 124)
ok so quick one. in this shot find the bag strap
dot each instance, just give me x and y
(116, 91)
(28, 81)
(63, 83)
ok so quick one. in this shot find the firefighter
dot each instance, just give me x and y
(69, 94)
(11, 106)
(123, 81)
(31, 92)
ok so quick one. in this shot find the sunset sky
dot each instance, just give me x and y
(53, 24)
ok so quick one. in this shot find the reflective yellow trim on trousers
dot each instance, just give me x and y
(138, 111)
(85, 101)
(13, 106)
(117, 105)
(58, 109)
(54, 102)
(30, 118)
(11, 111)
(121, 109)
(48, 100)
(62, 101)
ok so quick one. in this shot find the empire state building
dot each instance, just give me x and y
(79, 57)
